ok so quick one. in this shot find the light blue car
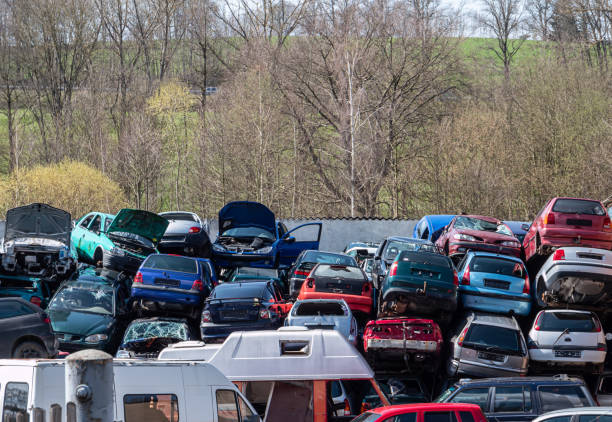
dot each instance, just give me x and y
(494, 283)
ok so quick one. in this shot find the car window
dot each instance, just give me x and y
(352, 273)
(405, 417)
(107, 223)
(96, 224)
(439, 417)
(328, 258)
(499, 338)
(573, 321)
(471, 223)
(394, 247)
(595, 418)
(308, 308)
(139, 330)
(558, 419)
(466, 417)
(227, 408)
(171, 263)
(336, 390)
(239, 291)
(93, 298)
(606, 385)
(181, 216)
(249, 232)
(370, 417)
(16, 402)
(151, 407)
(555, 397)
(246, 414)
(501, 266)
(478, 396)
(11, 309)
(86, 221)
(578, 206)
(511, 399)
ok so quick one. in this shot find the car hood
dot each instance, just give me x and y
(490, 237)
(79, 323)
(246, 214)
(40, 221)
(180, 226)
(142, 223)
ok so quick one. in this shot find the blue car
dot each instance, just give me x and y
(518, 229)
(173, 283)
(430, 227)
(494, 283)
(250, 236)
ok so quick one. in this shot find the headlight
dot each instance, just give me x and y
(461, 236)
(117, 252)
(265, 250)
(123, 354)
(218, 248)
(511, 243)
(96, 338)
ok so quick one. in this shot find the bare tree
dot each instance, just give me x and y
(541, 14)
(9, 83)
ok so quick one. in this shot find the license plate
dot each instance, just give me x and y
(568, 353)
(491, 356)
(497, 284)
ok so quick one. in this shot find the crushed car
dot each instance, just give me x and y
(37, 242)
(333, 314)
(146, 337)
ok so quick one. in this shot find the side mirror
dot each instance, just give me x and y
(73, 224)
(608, 336)
(525, 227)
(290, 239)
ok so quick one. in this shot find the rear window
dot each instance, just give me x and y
(499, 266)
(239, 291)
(328, 258)
(555, 397)
(320, 308)
(265, 272)
(492, 338)
(572, 321)
(179, 216)
(352, 273)
(18, 284)
(171, 263)
(426, 259)
(578, 206)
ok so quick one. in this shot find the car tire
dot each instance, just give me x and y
(29, 350)
(98, 257)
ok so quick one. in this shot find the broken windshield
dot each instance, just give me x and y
(470, 223)
(95, 298)
(139, 330)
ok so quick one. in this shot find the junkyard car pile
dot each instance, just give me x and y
(467, 296)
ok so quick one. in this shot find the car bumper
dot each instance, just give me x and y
(162, 295)
(547, 356)
(428, 303)
(460, 248)
(388, 344)
(212, 332)
(183, 242)
(479, 369)
(584, 284)
(558, 237)
(71, 347)
(356, 303)
(496, 302)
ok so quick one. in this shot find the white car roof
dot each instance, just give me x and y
(575, 411)
(567, 311)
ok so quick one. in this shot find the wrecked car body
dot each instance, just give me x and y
(333, 314)
(577, 276)
(36, 242)
(146, 337)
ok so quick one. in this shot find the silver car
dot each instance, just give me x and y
(578, 414)
(575, 275)
(186, 234)
(487, 345)
(324, 314)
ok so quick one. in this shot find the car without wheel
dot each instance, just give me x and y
(565, 339)
(146, 337)
(186, 235)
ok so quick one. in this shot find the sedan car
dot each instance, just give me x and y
(478, 233)
(564, 339)
(173, 283)
(494, 283)
(36, 242)
(146, 337)
(332, 314)
(568, 222)
(249, 235)
(420, 283)
(518, 229)
(186, 235)
(91, 311)
(575, 275)
(256, 305)
(485, 345)
(307, 260)
(25, 331)
(430, 226)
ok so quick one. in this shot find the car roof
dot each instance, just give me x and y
(579, 199)
(495, 255)
(496, 320)
(567, 311)
(410, 239)
(597, 410)
(386, 411)
(299, 302)
(100, 213)
(561, 379)
(438, 218)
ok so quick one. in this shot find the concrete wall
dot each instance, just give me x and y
(337, 233)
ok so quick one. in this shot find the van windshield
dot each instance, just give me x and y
(493, 339)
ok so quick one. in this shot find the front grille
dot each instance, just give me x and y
(497, 284)
(68, 337)
(579, 222)
(167, 282)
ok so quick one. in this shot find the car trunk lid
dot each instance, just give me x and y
(39, 221)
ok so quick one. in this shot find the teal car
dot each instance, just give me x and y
(31, 289)
(121, 242)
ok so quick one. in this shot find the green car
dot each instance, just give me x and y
(121, 242)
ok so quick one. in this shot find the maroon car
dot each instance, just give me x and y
(478, 233)
(568, 222)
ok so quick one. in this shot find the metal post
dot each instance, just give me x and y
(89, 386)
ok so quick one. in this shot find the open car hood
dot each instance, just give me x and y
(142, 223)
(39, 221)
(246, 214)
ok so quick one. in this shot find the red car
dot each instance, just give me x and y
(478, 233)
(424, 412)
(568, 222)
(417, 343)
(331, 281)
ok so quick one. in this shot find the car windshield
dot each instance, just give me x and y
(171, 263)
(249, 232)
(341, 271)
(492, 338)
(320, 308)
(394, 247)
(238, 291)
(576, 322)
(578, 206)
(329, 258)
(471, 223)
(263, 272)
(501, 266)
(139, 330)
(179, 216)
(367, 417)
(95, 298)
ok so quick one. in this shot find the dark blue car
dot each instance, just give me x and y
(173, 283)
(250, 236)
(430, 226)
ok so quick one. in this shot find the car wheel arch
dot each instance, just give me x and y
(28, 339)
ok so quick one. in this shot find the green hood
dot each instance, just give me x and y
(142, 223)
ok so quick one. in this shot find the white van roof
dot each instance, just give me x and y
(282, 355)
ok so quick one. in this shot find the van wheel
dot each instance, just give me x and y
(98, 257)
(29, 350)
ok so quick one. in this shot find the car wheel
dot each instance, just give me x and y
(98, 257)
(29, 350)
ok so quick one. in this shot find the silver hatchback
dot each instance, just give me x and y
(486, 345)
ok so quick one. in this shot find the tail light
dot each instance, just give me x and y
(597, 327)
(550, 218)
(45, 318)
(206, 316)
(536, 325)
(607, 224)
(347, 407)
(138, 278)
(601, 347)
(264, 313)
(393, 269)
(526, 286)
(310, 282)
(301, 272)
(36, 300)
(455, 278)
(197, 285)
(559, 255)
(365, 290)
(194, 229)
(365, 406)
(465, 280)
(462, 336)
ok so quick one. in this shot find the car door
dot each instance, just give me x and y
(444, 236)
(91, 236)
(79, 232)
(292, 243)
(512, 404)
(529, 240)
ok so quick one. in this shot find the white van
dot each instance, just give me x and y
(151, 391)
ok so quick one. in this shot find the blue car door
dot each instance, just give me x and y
(305, 236)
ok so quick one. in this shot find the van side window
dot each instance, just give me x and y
(555, 397)
(15, 402)
(151, 407)
(227, 408)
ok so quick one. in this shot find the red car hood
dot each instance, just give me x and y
(489, 237)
